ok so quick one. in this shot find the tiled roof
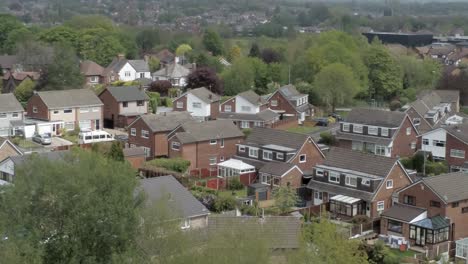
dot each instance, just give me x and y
(166, 121)
(127, 93)
(264, 136)
(451, 187)
(69, 98)
(134, 152)
(177, 198)
(203, 131)
(265, 115)
(278, 232)
(165, 56)
(338, 189)
(359, 161)
(403, 212)
(205, 95)
(51, 156)
(276, 168)
(375, 117)
(289, 91)
(252, 97)
(459, 131)
(20, 76)
(448, 96)
(91, 68)
(173, 70)
(363, 138)
(139, 65)
(9, 103)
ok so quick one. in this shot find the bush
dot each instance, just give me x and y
(224, 203)
(327, 138)
(436, 168)
(248, 210)
(177, 164)
(395, 105)
(235, 184)
(162, 87)
(247, 131)
(154, 101)
(391, 258)
(361, 219)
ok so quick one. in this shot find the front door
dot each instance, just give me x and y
(318, 198)
(98, 125)
(420, 236)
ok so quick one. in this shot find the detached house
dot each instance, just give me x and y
(8, 149)
(383, 133)
(431, 212)
(10, 111)
(200, 102)
(356, 183)
(174, 72)
(248, 110)
(93, 72)
(205, 144)
(127, 70)
(150, 131)
(69, 109)
(288, 102)
(123, 104)
(449, 143)
(11, 80)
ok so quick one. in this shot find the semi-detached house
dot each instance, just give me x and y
(68, 109)
(10, 111)
(200, 102)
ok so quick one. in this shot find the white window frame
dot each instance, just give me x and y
(180, 104)
(380, 206)
(84, 110)
(346, 127)
(274, 102)
(408, 131)
(319, 172)
(133, 132)
(3, 115)
(14, 115)
(253, 152)
(241, 148)
(68, 109)
(245, 124)
(128, 74)
(348, 180)
(435, 142)
(221, 143)
(378, 149)
(365, 182)
(425, 141)
(185, 224)
(147, 151)
(374, 129)
(457, 153)
(95, 109)
(358, 128)
(175, 145)
(305, 158)
(213, 160)
(35, 109)
(55, 112)
(335, 175)
(417, 121)
(269, 155)
(246, 108)
(143, 132)
(227, 108)
(279, 155)
(413, 145)
(213, 141)
(384, 132)
(221, 158)
(94, 79)
(389, 184)
(197, 105)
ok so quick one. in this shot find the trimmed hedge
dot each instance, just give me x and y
(177, 164)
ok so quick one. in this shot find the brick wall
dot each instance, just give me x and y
(454, 143)
(313, 156)
(283, 104)
(138, 140)
(180, 99)
(111, 106)
(424, 126)
(402, 141)
(42, 110)
(294, 178)
(232, 103)
(214, 110)
(7, 151)
(423, 197)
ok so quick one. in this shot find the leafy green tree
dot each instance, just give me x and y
(385, 75)
(285, 197)
(254, 51)
(234, 53)
(24, 90)
(8, 23)
(183, 49)
(154, 64)
(213, 42)
(77, 210)
(261, 75)
(17, 36)
(60, 34)
(336, 85)
(116, 152)
(147, 39)
(420, 74)
(238, 77)
(91, 22)
(99, 46)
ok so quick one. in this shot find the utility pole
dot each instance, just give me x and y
(289, 74)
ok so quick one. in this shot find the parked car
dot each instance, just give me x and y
(321, 121)
(336, 116)
(42, 139)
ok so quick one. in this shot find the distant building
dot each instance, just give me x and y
(405, 39)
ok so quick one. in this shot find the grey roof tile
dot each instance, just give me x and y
(265, 115)
(459, 131)
(9, 103)
(276, 168)
(338, 189)
(252, 97)
(375, 117)
(265, 136)
(139, 65)
(403, 212)
(451, 187)
(205, 95)
(127, 93)
(173, 70)
(363, 138)
(166, 121)
(70, 98)
(203, 131)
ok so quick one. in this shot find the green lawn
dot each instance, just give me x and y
(239, 193)
(27, 144)
(71, 138)
(403, 255)
(303, 129)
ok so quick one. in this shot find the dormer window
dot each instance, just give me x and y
(227, 108)
(372, 130)
(334, 177)
(351, 181)
(365, 182)
(319, 172)
(346, 127)
(384, 132)
(357, 129)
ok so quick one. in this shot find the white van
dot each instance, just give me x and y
(87, 136)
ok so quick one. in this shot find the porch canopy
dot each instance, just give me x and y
(345, 199)
(234, 167)
(346, 205)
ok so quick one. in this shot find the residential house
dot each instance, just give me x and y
(127, 70)
(179, 203)
(93, 73)
(431, 212)
(384, 133)
(10, 111)
(174, 72)
(135, 156)
(11, 80)
(265, 118)
(355, 183)
(200, 102)
(150, 131)
(430, 109)
(8, 63)
(164, 56)
(123, 104)
(69, 109)
(288, 102)
(8, 149)
(205, 144)
(9, 165)
(275, 232)
(449, 143)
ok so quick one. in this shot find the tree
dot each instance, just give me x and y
(205, 77)
(60, 34)
(154, 64)
(234, 53)
(79, 209)
(239, 77)
(99, 45)
(336, 85)
(63, 72)
(271, 56)
(116, 152)
(385, 75)
(183, 49)
(147, 39)
(8, 23)
(25, 90)
(254, 51)
(162, 87)
(285, 197)
(261, 75)
(213, 42)
(91, 22)
(15, 37)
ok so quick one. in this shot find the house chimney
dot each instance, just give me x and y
(210, 96)
(120, 56)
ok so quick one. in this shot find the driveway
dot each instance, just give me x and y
(59, 142)
(331, 128)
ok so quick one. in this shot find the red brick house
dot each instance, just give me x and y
(11, 80)
(431, 212)
(205, 144)
(123, 104)
(288, 102)
(383, 133)
(354, 183)
(150, 131)
(135, 156)
(200, 102)
(93, 73)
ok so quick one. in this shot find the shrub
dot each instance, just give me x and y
(436, 168)
(248, 210)
(224, 203)
(247, 131)
(235, 184)
(177, 164)
(361, 219)
(327, 138)
(161, 87)
(395, 105)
